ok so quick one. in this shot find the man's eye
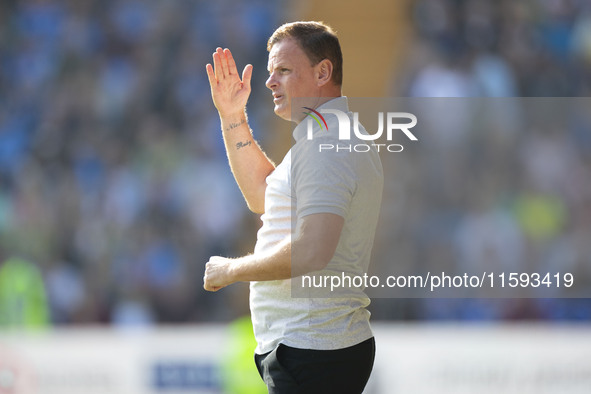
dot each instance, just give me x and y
(280, 71)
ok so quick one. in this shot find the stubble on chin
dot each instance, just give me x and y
(283, 112)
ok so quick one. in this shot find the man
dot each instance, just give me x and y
(305, 344)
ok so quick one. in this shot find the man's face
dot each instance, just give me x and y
(290, 75)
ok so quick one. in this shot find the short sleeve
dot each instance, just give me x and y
(322, 181)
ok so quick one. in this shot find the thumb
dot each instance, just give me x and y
(246, 76)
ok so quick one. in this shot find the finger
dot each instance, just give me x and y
(247, 75)
(231, 63)
(217, 63)
(207, 285)
(210, 74)
(224, 62)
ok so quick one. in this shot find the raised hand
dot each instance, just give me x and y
(228, 91)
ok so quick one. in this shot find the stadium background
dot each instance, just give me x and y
(114, 183)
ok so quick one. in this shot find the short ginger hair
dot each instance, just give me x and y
(318, 41)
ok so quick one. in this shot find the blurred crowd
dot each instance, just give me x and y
(511, 192)
(114, 180)
(503, 48)
(113, 175)
(494, 185)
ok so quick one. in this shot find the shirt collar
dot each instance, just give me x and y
(338, 103)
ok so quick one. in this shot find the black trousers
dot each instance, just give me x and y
(287, 370)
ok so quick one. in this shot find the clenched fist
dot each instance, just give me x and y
(217, 273)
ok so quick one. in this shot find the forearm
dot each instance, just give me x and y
(221, 271)
(275, 265)
(249, 164)
(230, 94)
(310, 251)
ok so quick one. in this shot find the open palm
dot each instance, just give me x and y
(229, 92)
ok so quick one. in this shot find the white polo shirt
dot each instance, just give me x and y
(309, 182)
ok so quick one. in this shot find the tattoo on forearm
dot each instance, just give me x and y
(234, 125)
(242, 144)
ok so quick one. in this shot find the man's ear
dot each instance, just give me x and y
(323, 72)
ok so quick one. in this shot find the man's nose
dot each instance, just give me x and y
(271, 82)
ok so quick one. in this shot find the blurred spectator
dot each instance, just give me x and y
(23, 301)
